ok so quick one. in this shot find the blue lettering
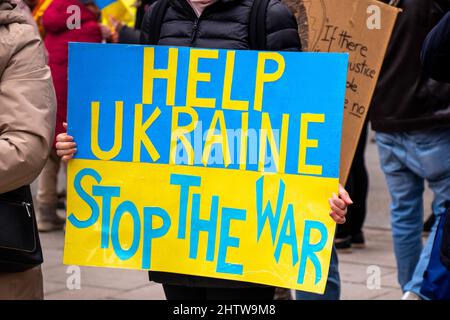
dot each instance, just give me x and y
(124, 207)
(107, 193)
(274, 219)
(309, 250)
(95, 212)
(226, 241)
(198, 225)
(185, 181)
(151, 233)
(291, 239)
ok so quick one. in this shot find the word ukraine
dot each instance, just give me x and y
(204, 162)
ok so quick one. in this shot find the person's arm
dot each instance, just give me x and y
(125, 34)
(129, 35)
(281, 28)
(436, 51)
(28, 105)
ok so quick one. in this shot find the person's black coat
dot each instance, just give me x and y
(129, 35)
(436, 51)
(223, 25)
(406, 98)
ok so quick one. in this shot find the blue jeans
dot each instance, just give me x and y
(333, 288)
(408, 159)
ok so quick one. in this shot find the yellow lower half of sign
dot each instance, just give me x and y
(271, 229)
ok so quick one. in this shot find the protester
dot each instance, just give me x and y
(436, 61)
(27, 110)
(411, 115)
(129, 35)
(58, 35)
(436, 51)
(221, 24)
(350, 234)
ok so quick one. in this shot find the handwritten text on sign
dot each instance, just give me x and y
(205, 162)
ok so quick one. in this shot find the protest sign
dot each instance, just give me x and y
(361, 28)
(206, 162)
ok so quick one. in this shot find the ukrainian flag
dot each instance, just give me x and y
(122, 10)
(38, 12)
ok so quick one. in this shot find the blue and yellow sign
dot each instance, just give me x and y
(206, 162)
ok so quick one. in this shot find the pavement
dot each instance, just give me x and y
(366, 274)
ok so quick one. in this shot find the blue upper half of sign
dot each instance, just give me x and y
(312, 83)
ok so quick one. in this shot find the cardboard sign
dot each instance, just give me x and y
(361, 28)
(204, 162)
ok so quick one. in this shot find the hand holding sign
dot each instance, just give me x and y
(66, 149)
(206, 162)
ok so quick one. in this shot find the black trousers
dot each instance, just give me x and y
(357, 186)
(174, 292)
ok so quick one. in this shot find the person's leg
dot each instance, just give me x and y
(241, 294)
(47, 196)
(406, 189)
(415, 284)
(360, 190)
(174, 292)
(432, 148)
(333, 288)
(282, 294)
(27, 285)
(350, 232)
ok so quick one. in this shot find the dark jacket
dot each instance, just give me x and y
(222, 25)
(405, 98)
(129, 35)
(436, 51)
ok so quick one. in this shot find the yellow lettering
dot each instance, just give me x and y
(220, 138)
(279, 157)
(140, 135)
(227, 102)
(150, 74)
(115, 150)
(306, 143)
(178, 133)
(244, 142)
(194, 76)
(262, 77)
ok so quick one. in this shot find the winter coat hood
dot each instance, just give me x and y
(10, 13)
(27, 100)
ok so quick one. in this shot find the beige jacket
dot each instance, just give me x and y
(27, 101)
